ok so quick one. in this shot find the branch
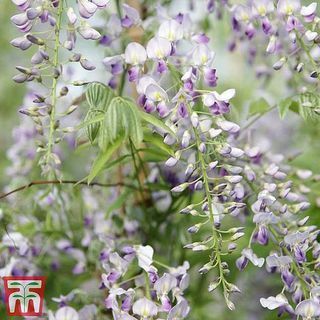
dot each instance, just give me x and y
(74, 182)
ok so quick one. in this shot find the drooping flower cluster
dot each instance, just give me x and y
(43, 29)
(290, 31)
(215, 164)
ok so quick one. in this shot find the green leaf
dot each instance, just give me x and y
(119, 161)
(309, 103)
(259, 106)
(18, 296)
(157, 141)
(98, 97)
(92, 119)
(156, 122)
(31, 296)
(122, 119)
(152, 154)
(284, 107)
(102, 159)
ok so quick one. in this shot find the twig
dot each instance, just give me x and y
(75, 182)
(249, 124)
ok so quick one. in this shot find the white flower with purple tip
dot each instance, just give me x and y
(171, 30)
(272, 303)
(145, 308)
(145, 256)
(158, 48)
(135, 54)
(202, 55)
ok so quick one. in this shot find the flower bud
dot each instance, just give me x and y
(214, 285)
(35, 40)
(237, 236)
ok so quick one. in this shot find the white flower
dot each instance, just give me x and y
(145, 308)
(179, 311)
(262, 7)
(242, 13)
(202, 55)
(274, 302)
(135, 54)
(155, 93)
(144, 255)
(210, 98)
(288, 7)
(308, 309)
(165, 284)
(295, 238)
(278, 261)
(131, 13)
(64, 313)
(171, 30)
(309, 10)
(225, 95)
(248, 253)
(266, 218)
(228, 126)
(17, 240)
(158, 48)
(143, 84)
(72, 17)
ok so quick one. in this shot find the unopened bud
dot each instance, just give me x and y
(35, 40)
(237, 236)
(64, 91)
(279, 64)
(72, 108)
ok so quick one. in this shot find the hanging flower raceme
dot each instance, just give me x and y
(287, 27)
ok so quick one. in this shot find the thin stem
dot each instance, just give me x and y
(136, 169)
(59, 182)
(249, 124)
(54, 82)
(148, 291)
(215, 235)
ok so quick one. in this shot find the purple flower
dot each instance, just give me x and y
(162, 66)
(299, 254)
(287, 277)
(182, 110)
(210, 77)
(241, 263)
(133, 73)
(131, 16)
(113, 64)
(262, 235)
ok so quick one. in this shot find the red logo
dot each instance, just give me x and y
(24, 295)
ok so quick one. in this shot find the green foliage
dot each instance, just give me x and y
(259, 106)
(285, 105)
(149, 118)
(122, 119)
(98, 97)
(103, 158)
(307, 105)
(157, 141)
